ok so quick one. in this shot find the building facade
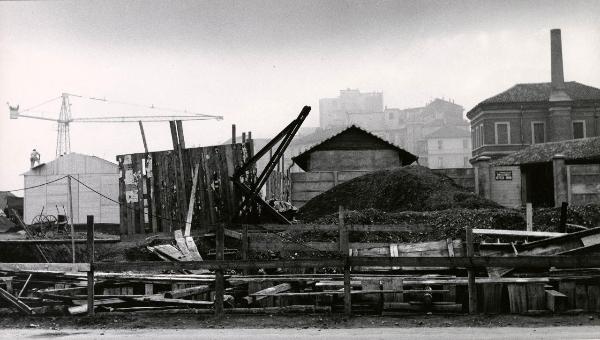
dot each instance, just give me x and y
(528, 114)
(449, 147)
(333, 111)
(53, 198)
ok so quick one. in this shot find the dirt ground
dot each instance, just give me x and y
(321, 321)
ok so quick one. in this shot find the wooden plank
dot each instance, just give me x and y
(15, 302)
(181, 244)
(193, 249)
(219, 281)
(516, 233)
(556, 301)
(90, 273)
(581, 296)
(190, 211)
(44, 267)
(517, 297)
(472, 287)
(594, 298)
(536, 296)
(264, 293)
(59, 241)
(491, 294)
(529, 216)
(185, 292)
(586, 261)
(568, 288)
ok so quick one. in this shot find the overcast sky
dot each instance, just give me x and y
(258, 62)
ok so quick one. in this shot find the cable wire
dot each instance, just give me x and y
(37, 186)
(185, 222)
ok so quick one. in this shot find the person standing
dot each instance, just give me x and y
(35, 157)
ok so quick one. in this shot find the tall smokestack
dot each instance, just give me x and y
(556, 64)
(558, 78)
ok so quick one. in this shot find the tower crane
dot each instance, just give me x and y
(65, 118)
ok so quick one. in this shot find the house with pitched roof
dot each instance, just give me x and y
(533, 113)
(342, 156)
(448, 147)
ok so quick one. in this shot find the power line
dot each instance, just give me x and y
(158, 216)
(36, 186)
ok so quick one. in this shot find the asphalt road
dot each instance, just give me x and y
(571, 333)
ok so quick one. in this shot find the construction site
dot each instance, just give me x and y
(379, 217)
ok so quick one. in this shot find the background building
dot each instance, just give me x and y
(52, 199)
(333, 111)
(448, 147)
(528, 114)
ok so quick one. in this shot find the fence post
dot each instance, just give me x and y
(472, 287)
(529, 216)
(71, 217)
(220, 256)
(245, 246)
(344, 251)
(90, 274)
(562, 227)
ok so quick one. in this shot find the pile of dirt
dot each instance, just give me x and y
(410, 188)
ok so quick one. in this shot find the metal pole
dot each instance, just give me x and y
(71, 218)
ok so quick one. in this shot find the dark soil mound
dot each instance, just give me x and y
(411, 188)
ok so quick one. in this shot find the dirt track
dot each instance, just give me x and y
(582, 332)
(196, 321)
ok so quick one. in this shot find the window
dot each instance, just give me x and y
(440, 144)
(465, 143)
(538, 132)
(481, 135)
(502, 130)
(473, 138)
(578, 129)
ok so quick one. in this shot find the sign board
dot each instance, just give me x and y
(504, 175)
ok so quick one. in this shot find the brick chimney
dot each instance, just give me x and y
(558, 78)
(559, 118)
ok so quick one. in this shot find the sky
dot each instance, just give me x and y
(257, 63)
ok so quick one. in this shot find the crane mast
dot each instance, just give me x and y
(63, 137)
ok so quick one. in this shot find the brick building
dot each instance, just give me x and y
(528, 114)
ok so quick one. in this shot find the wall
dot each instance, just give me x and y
(53, 198)
(329, 160)
(506, 192)
(465, 177)
(306, 185)
(583, 184)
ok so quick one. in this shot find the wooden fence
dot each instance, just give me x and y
(155, 188)
(278, 186)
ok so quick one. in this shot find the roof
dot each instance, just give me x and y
(540, 92)
(585, 149)
(449, 132)
(73, 163)
(302, 159)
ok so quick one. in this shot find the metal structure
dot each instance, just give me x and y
(63, 139)
(282, 141)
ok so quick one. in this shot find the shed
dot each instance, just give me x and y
(353, 149)
(545, 174)
(342, 156)
(99, 174)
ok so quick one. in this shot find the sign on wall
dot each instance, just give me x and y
(504, 175)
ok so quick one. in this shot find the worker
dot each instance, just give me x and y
(35, 157)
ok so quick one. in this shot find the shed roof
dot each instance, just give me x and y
(302, 159)
(574, 150)
(73, 163)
